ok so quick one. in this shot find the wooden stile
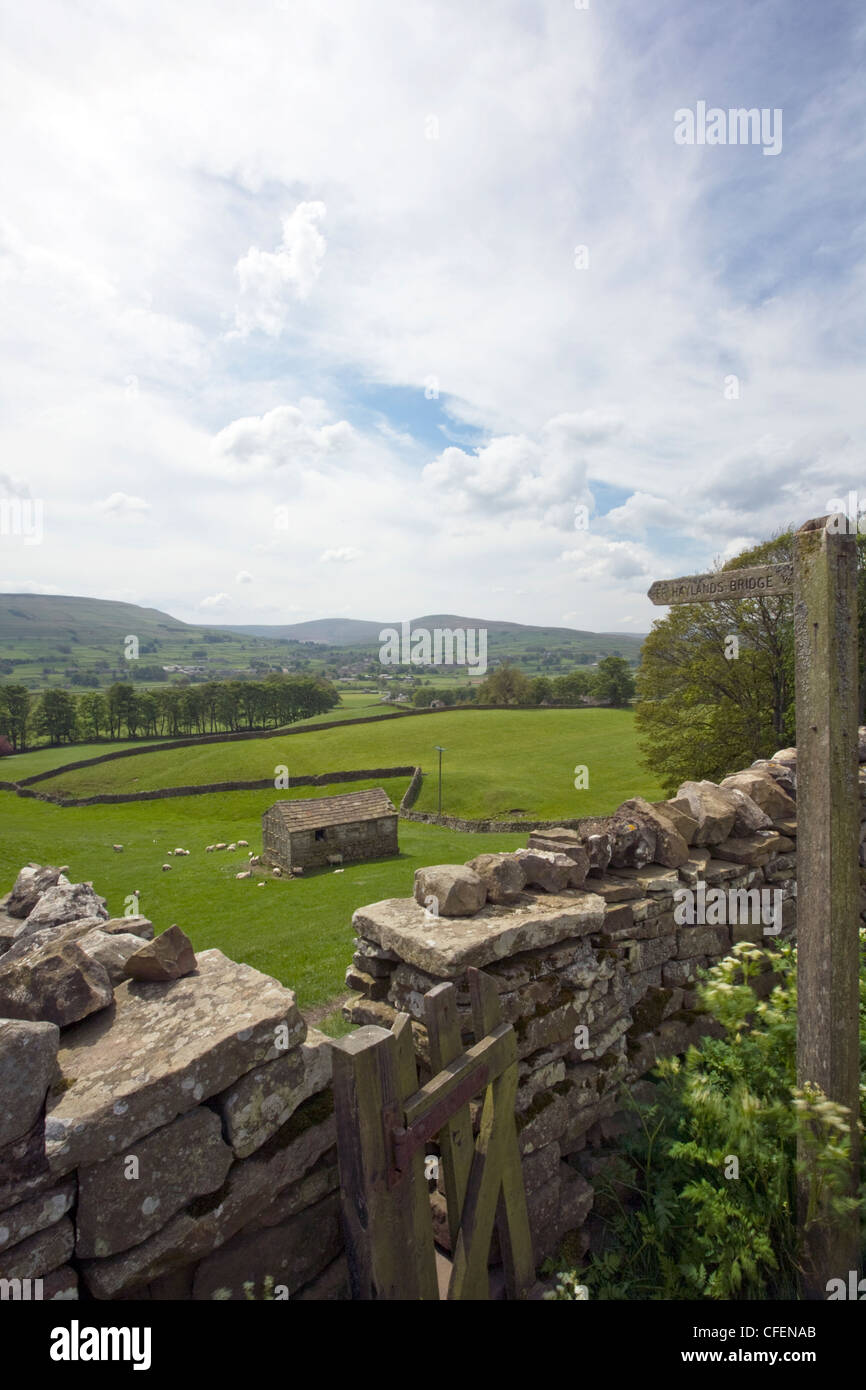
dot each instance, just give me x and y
(384, 1122)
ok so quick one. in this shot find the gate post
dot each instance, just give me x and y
(388, 1230)
(828, 886)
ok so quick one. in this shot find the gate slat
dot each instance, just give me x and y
(455, 1138)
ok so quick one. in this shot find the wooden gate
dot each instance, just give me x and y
(384, 1123)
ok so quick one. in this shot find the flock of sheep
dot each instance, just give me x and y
(255, 860)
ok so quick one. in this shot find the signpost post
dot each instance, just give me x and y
(823, 578)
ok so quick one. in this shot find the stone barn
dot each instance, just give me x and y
(310, 834)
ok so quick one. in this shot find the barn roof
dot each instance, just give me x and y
(320, 811)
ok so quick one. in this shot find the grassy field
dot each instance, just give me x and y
(297, 930)
(497, 763)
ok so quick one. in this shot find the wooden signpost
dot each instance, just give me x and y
(823, 578)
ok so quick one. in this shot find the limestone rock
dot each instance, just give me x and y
(633, 841)
(31, 883)
(292, 1254)
(170, 1045)
(748, 816)
(764, 790)
(713, 813)
(458, 891)
(670, 848)
(182, 1160)
(168, 957)
(35, 1213)
(59, 984)
(23, 1165)
(502, 875)
(112, 950)
(681, 820)
(209, 1221)
(545, 869)
(66, 902)
(40, 1253)
(495, 933)
(783, 773)
(788, 756)
(261, 1102)
(28, 1057)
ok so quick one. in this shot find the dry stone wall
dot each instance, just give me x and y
(167, 1124)
(167, 1127)
(595, 936)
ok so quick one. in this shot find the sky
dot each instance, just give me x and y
(373, 310)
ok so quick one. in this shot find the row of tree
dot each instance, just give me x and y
(60, 716)
(611, 683)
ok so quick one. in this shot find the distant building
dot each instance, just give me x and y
(307, 834)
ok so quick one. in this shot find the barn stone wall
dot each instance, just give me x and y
(312, 849)
(173, 1138)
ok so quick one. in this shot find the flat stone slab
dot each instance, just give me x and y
(36, 1213)
(446, 948)
(28, 1057)
(158, 1051)
(127, 1197)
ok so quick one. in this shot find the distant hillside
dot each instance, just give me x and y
(352, 632)
(61, 640)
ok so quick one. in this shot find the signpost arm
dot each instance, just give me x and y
(825, 641)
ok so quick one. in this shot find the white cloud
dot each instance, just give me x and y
(287, 436)
(243, 577)
(120, 504)
(343, 555)
(215, 601)
(27, 586)
(270, 280)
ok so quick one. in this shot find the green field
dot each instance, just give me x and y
(498, 763)
(298, 930)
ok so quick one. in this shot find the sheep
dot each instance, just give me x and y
(242, 844)
(165, 866)
(209, 849)
(220, 846)
(339, 871)
(181, 851)
(277, 873)
(245, 873)
(231, 846)
(261, 883)
(255, 859)
(117, 848)
(335, 858)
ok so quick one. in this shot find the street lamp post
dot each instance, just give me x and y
(440, 750)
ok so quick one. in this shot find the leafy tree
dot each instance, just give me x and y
(613, 681)
(15, 714)
(716, 683)
(92, 714)
(507, 685)
(570, 689)
(541, 689)
(55, 717)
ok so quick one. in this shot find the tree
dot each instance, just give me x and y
(55, 717)
(15, 714)
(613, 682)
(505, 686)
(92, 714)
(541, 688)
(716, 683)
(570, 689)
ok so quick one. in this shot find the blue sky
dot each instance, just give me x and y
(293, 323)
